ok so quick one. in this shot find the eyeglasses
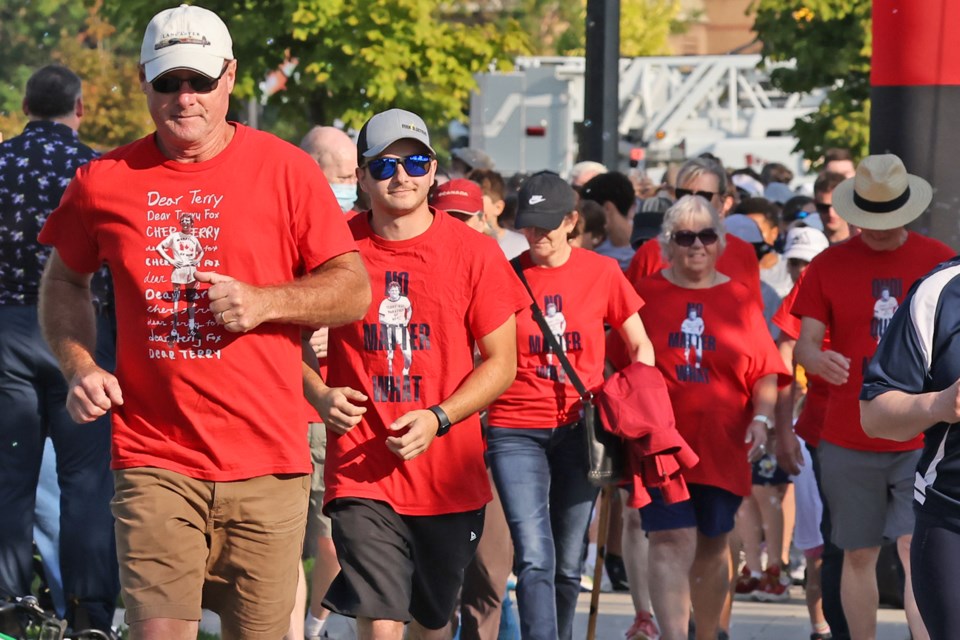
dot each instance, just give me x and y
(416, 165)
(823, 208)
(687, 238)
(706, 195)
(198, 84)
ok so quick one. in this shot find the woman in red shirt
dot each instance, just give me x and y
(535, 440)
(721, 367)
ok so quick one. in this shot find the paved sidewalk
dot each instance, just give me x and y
(751, 620)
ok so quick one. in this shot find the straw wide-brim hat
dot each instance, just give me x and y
(882, 195)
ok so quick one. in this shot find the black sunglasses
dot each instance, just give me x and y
(687, 238)
(823, 208)
(198, 84)
(706, 195)
(416, 165)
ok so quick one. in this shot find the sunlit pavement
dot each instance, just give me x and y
(751, 620)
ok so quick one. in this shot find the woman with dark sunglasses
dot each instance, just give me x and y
(706, 179)
(722, 371)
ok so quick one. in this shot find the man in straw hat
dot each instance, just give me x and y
(211, 462)
(867, 482)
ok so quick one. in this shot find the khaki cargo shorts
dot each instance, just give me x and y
(231, 547)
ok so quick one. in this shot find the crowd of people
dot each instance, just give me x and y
(243, 353)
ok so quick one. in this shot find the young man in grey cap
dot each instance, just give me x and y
(405, 476)
(212, 469)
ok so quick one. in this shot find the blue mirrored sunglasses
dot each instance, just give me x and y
(383, 168)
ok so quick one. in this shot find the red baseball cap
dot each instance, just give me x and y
(460, 196)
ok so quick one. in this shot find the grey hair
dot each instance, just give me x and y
(686, 209)
(696, 167)
(587, 166)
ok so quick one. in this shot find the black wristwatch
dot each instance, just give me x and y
(442, 419)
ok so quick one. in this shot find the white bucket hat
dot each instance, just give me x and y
(882, 195)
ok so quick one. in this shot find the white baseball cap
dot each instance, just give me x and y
(186, 37)
(804, 243)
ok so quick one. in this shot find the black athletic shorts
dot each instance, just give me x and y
(396, 567)
(935, 569)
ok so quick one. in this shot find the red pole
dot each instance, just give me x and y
(915, 99)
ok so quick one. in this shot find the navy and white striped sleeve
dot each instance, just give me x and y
(905, 356)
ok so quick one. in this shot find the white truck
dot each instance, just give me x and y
(671, 108)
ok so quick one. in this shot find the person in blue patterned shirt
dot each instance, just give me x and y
(35, 168)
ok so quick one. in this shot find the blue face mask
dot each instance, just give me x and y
(346, 194)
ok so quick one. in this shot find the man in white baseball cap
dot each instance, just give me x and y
(211, 466)
(802, 246)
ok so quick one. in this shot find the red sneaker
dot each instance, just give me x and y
(774, 586)
(746, 584)
(643, 628)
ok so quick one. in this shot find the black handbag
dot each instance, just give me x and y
(605, 455)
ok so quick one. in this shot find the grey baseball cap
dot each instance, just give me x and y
(385, 128)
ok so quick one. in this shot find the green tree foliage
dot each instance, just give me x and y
(557, 27)
(29, 32)
(34, 33)
(830, 40)
(355, 58)
(645, 26)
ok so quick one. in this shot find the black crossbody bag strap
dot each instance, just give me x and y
(585, 396)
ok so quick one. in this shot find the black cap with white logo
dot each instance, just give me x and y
(544, 200)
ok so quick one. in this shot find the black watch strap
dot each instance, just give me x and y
(442, 418)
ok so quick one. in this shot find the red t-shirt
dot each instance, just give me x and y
(576, 298)
(712, 345)
(810, 421)
(199, 400)
(844, 288)
(413, 349)
(738, 260)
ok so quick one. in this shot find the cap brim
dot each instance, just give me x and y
(183, 58)
(921, 193)
(373, 152)
(801, 254)
(540, 219)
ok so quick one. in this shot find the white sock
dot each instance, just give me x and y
(312, 627)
